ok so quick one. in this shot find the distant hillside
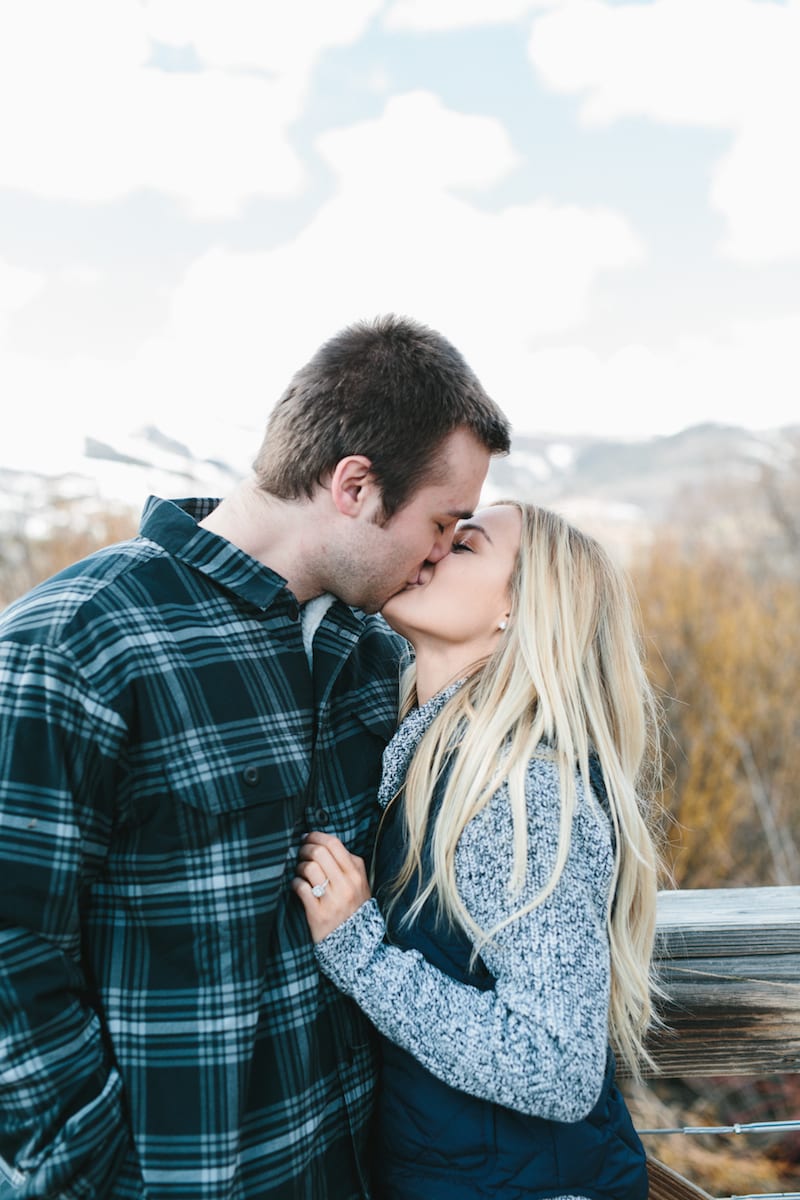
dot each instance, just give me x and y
(716, 476)
(619, 490)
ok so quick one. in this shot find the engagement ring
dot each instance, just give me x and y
(320, 889)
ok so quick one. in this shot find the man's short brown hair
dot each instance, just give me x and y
(389, 389)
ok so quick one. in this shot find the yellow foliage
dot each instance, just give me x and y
(69, 532)
(724, 653)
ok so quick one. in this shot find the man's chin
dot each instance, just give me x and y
(407, 587)
(388, 606)
(371, 606)
(392, 619)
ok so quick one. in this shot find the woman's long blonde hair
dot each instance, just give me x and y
(566, 680)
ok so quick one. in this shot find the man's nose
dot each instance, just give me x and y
(441, 547)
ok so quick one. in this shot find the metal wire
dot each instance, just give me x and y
(753, 1127)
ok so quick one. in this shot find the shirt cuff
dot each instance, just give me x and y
(347, 951)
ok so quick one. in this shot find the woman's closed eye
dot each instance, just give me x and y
(461, 546)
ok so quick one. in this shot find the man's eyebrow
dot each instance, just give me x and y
(480, 529)
(459, 516)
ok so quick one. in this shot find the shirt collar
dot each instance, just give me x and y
(173, 524)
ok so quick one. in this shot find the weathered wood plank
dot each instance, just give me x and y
(704, 923)
(729, 906)
(730, 964)
(666, 1184)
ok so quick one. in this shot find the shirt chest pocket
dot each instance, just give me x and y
(196, 797)
(229, 783)
(202, 864)
(215, 814)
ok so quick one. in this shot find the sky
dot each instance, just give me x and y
(596, 201)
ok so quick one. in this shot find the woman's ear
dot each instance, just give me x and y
(352, 484)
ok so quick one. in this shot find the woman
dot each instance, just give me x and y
(515, 879)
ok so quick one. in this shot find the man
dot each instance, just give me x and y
(171, 723)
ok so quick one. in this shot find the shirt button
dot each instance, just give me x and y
(322, 815)
(250, 776)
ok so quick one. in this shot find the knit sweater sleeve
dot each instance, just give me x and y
(537, 1041)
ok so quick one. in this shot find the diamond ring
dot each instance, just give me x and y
(321, 888)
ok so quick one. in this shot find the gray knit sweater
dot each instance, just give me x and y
(536, 1042)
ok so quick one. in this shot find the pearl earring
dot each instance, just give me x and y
(502, 625)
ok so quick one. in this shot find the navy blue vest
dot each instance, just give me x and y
(436, 1143)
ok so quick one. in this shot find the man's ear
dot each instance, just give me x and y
(352, 484)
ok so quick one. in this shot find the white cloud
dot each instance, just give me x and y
(437, 15)
(757, 187)
(725, 64)
(418, 145)
(745, 373)
(82, 115)
(665, 60)
(17, 287)
(393, 238)
(401, 237)
(54, 405)
(81, 276)
(283, 39)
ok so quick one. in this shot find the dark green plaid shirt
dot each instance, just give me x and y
(164, 1030)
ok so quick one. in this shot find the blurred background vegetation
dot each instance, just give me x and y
(721, 614)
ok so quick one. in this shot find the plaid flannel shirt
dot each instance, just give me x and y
(163, 748)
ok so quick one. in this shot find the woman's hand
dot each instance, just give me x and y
(339, 878)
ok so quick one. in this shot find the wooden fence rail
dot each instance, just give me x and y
(730, 965)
